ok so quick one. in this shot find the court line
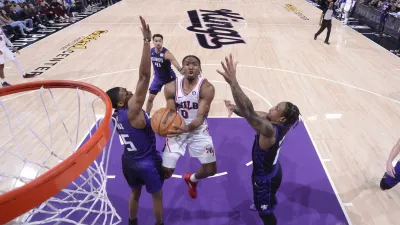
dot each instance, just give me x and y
(327, 173)
(316, 77)
(216, 175)
(246, 23)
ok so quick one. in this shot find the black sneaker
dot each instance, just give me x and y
(5, 84)
(28, 75)
(133, 222)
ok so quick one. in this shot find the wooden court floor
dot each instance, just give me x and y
(348, 91)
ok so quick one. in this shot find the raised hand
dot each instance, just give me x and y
(229, 106)
(390, 170)
(229, 73)
(145, 29)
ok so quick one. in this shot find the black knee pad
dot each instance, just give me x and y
(268, 219)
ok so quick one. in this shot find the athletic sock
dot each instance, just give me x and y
(193, 178)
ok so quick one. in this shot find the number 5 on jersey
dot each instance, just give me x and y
(124, 139)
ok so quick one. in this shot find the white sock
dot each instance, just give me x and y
(2, 80)
(193, 178)
(19, 67)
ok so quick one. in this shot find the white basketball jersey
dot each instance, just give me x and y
(3, 40)
(188, 104)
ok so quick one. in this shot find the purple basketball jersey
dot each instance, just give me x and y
(266, 162)
(138, 143)
(162, 66)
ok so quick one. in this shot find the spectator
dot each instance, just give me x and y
(30, 12)
(8, 21)
(18, 15)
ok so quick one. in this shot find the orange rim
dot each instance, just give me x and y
(22, 199)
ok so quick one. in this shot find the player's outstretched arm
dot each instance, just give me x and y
(169, 56)
(393, 154)
(234, 109)
(137, 101)
(245, 107)
(207, 94)
(169, 93)
(261, 124)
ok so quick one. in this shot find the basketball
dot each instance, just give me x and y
(162, 121)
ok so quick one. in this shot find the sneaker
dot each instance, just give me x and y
(326, 42)
(192, 185)
(28, 75)
(5, 84)
(133, 222)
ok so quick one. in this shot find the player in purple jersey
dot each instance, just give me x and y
(161, 59)
(392, 176)
(271, 129)
(141, 162)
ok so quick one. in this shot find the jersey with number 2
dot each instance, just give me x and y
(187, 104)
(138, 143)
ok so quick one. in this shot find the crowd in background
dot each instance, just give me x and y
(19, 17)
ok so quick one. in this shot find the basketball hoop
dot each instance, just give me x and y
(69, 178)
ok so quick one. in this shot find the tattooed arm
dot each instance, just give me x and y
(245, 108)
(233, 108)
(261, 124)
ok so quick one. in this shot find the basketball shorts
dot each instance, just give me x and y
(264, 191)
(388, 182)
(199, 143)
(146, 171)
(157, 84)
(6, 54)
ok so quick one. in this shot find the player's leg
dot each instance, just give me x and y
(201, 146)
(153, 178)
(8, 54)
(388, 182)
(134, 204)
(4, 83)
(150, 99)
(155, 87)
(264, 196)
(174, 148)
(132, 172)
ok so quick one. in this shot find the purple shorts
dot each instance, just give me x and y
(145, 171)
(157, 84)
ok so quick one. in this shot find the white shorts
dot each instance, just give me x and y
(199, 143)
(6, 54)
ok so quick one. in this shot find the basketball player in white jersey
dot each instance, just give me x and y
(191, 95)
(5, 52)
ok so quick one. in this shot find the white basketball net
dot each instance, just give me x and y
(36, 133)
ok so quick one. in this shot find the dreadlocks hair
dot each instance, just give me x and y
(197, 58)
(292, 114)
(113, 94)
